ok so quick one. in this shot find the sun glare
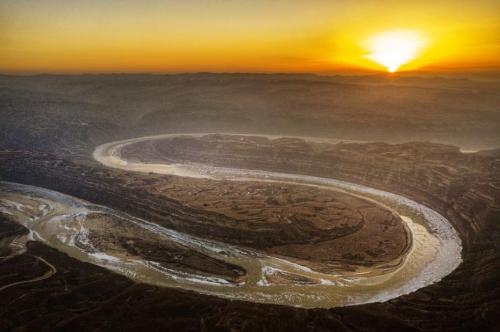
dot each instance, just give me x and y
(392, 49)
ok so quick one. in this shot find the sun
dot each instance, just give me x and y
(392, 49)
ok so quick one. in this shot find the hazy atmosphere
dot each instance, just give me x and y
(53, 36)
(249, 165)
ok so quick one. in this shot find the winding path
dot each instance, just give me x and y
(46, 275)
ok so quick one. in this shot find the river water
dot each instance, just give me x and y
(69, 224)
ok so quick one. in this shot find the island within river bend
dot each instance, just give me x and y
(96, 234)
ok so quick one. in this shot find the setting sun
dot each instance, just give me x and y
(392, 49)
(278, 36)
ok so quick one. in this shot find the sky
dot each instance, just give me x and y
(93, 36)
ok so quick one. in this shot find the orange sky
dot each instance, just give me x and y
(255, 36)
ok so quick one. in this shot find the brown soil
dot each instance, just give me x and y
(465, 188)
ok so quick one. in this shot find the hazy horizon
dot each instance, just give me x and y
(249, 165)
(240, 36)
